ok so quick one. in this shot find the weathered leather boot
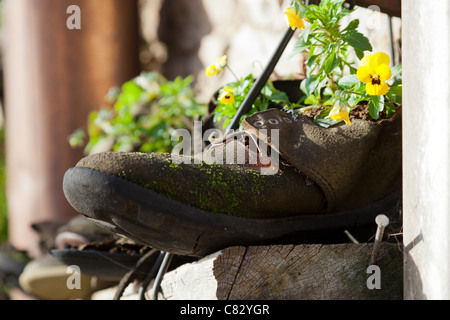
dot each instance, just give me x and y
(323, 180)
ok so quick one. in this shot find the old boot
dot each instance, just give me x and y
(323, 180)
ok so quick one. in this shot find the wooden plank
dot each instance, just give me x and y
(289, 273)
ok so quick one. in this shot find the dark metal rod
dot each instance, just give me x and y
(159, 277)
(151, 275)
(262, 80)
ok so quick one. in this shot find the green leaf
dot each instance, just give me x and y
(311, 61)
(331, 62)
(357, 40)
(352, 25)
(267, 90)
(300, 46)
(131, 93)
(76, 139)
(323, 82)
(397, 90)
(395, 94)
(349, 81)
(264, 106)
(390, 109)
(279, 96)
(304, 34)
(244, 85)
(354, 100)
(397, 82)
(309, 85)
(327, 91)
(359, 54)
(329, 102)
(311, 100)
(337, 3)
(397, 70)
(376, 105)
(325, 123)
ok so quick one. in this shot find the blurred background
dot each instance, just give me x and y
(53, 77)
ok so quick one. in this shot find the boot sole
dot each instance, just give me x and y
(168, 225)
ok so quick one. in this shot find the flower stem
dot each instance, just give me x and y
(304, 109)
(228, 67)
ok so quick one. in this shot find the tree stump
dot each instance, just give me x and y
(288, 272)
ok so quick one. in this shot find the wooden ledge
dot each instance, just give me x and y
(288, 272)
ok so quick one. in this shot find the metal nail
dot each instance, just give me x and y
(351, 237)
(382, 221)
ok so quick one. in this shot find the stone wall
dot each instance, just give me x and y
(184, 36)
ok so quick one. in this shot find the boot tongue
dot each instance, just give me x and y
(331, 157)
(243, 148)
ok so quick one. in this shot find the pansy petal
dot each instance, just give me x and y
(384, 72)
(372, 89)
(339, 113)
(222, 95)
(211, 70)
(364, 73)
(336, 109)
(377, 89)
(346, 118)
(294, 18)
(226, 98)
(341, 116)
(380, 58)
(384, 88)
(229, 89)
(299, 23)
(365, 60)
(222, 61)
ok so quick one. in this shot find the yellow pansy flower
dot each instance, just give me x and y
(294, 18)
(222, 61)
(374, 71)
(217, 67)
(340, 113)
(227, 96)
(212, 70)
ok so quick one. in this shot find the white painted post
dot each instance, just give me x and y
(426, 148)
